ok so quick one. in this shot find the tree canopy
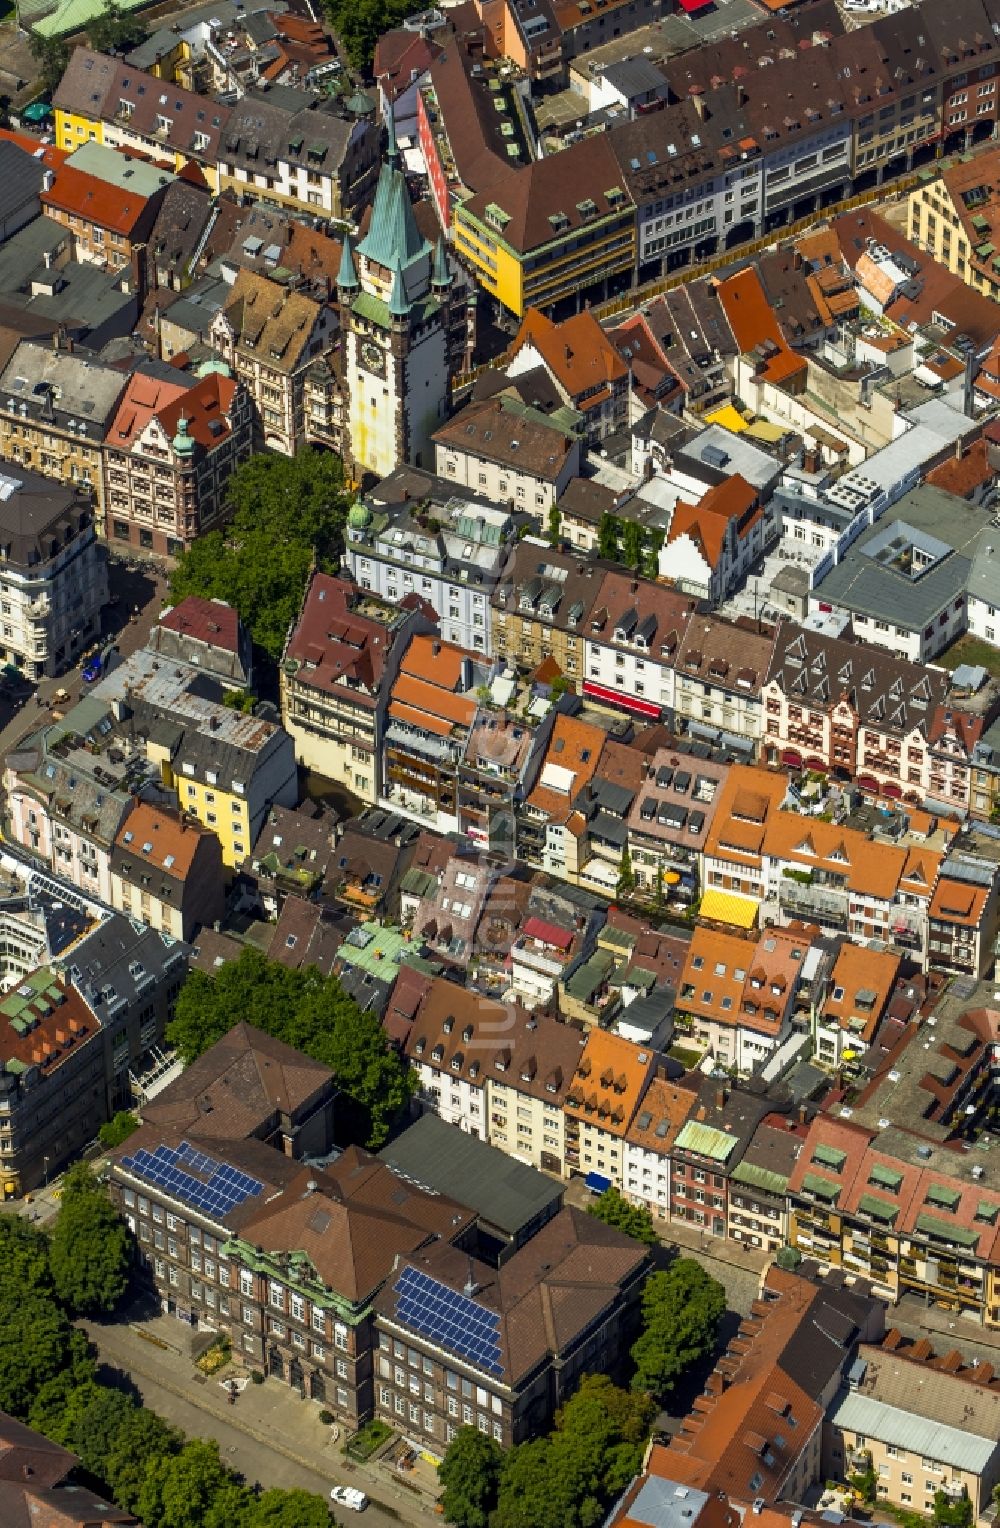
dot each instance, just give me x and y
(309, 1011)
(952, 1511)
(632, 1219)
(681, 1311)
(90, 1250)
(360, 23)
(118, 1129)
(286, 511)
(52, 55)
(48, 1378)
(116, 30)
(565, 1480)
(470, 1474)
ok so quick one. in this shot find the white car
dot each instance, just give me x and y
(349, 1496)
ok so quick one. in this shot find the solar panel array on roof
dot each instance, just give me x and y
(219, 1190)
(449, 1318)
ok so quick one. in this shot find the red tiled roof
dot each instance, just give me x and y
(209, 400)
(548, 933)
(210, 621)
(95, 200)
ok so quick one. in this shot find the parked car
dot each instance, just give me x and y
(349, 1496)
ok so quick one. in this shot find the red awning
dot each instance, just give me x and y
(617, 698)
(866, 783)
(890, 788)
(791, 758)
(814, 762)
(694, 5)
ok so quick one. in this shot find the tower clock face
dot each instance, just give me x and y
(372, 357)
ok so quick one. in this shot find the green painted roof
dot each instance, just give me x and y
(942, 1231)
(68, 15)
(941, 1195)
(376, 311)
(760, 1177)
(706, 1141)
(885, 1177)
(376, 948)
(830, 1157)
(869, 1204)
(418, 882)
(347, 276)
(821, 1187)
(393, 238)
(118, 169)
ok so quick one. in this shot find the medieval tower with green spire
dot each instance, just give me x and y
(395, 294)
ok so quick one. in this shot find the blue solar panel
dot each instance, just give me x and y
(452, 1319)
(172, 1168)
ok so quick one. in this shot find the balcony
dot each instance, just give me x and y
(819, 902)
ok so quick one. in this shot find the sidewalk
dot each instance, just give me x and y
(717, 1249)
(273, 1415)
(952, 1330)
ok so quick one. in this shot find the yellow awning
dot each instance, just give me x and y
(729, 418)
(762, 429)
(729, 907)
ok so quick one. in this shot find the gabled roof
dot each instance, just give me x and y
(577, 351)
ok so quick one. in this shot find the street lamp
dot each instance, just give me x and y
(45, 1164)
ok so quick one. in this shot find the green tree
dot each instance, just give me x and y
(309, 1011)
(118, 1129)
(652, 542)
(142, 1438)
(632, 540)
(569, 1479)
(116, 30)
(607, 537)
(865, 1482)
(632, 1219)
(91, 1249)
(360, 23)
(36, 1345)
(658, 887)
(52, 55)
(559, 687)
(555, 526)
(24, 1259)
(681, 1311)
(470, 1475)
(626, 875)
(287, 512)
(180, 1489)
(288, 1509)
(952, 1511)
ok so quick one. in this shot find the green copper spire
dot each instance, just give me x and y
(441, 276)
(347, 276)
(398, 305)
(392, 154)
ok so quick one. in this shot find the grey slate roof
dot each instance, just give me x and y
(885, 691)
(60, 386)
(21, 177)
(882, 590)
(505, 1193)
(922, 1435)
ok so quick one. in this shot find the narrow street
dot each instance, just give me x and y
(270, 1435)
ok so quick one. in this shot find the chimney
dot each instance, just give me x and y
(721, 1095)
(436, 648)
(48, 180)
(796, 260)
(803, 1114)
